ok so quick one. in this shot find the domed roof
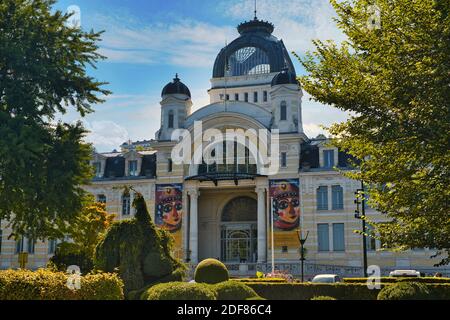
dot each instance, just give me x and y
(176, 86)
(255, 47)
(284, 77)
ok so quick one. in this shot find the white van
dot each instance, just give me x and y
(326, 278)
(404, 273)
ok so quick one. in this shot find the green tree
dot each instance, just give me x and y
(43, 164)
(85, 232)
(394, 79)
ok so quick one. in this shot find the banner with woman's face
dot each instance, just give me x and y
(286, 203)
(169, 206)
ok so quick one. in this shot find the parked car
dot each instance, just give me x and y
(404, 273)
(326, 278)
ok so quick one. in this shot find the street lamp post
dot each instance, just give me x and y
(362, 215)
(302, 249)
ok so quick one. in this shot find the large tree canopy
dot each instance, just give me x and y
(43, 164)
(395, 79)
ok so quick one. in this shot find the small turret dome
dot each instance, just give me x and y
(176, 86)
(284, 77)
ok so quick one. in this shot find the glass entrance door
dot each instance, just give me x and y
(238, 243)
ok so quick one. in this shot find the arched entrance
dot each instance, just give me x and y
(238, 236)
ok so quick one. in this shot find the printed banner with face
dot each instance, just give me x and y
(169, 206)
(286, 203)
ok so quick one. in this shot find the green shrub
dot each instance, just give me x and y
(140, 251)
(211, 271)
(439, 291)
(323, 298)
(68, 254)
(405, 291)
(256, 298)
(400, 279)
(48, 285)
(233, 290)
(181, 291)
(306, 291)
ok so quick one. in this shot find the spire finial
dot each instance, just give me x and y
(256, 18)
(176, 77)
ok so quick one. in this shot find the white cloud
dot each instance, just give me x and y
(105, 135)
(186, 43)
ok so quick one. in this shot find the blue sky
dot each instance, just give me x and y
(148, 41)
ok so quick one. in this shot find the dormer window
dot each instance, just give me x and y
(328, 158)
(283, 111)
(132, 168)
(97, 168)
(265, 96)
(171, 118)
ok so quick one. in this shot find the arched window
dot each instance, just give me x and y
(171, 118)
(248, 60)
(126, 204)
(240, 209)
(283, 110)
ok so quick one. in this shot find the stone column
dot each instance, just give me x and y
(262, 250)
(193, 236)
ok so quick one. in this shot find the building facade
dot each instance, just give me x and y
(224, 202)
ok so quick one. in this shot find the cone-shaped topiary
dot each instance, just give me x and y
(138, 250)
(211, 271)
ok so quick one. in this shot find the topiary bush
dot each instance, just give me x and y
(180, 291)
(211, 271)
(323, 298)
(233, 290)
(48, 285)
(404, 291)
(139, 251)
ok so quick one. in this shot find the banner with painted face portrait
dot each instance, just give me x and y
(169, 206)
(286, 203)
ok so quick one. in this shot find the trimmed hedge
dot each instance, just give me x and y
(233, 290)
(269, 280)
(400, 279)
(180, 291)
(341, 291)
(405, 291)
(211, 271)
(48, 285)
(323, 298)
(306, 291)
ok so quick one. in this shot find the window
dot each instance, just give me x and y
(126, 204)
(338, 237)
(31, 244)
(171, 118)
(255, 96)
(246, 97)
(98, 168)
(265, 96)
(248, 60)
(236, 96)
(322, 198)
(323, 239)
(371, 242)
(328, 158)
(283, 111)
(169, 165)
(227, 97)
(284, 249)
(19, 245)
(283, 160)
(101, 198)
(51, 246)
(132, 168)
(337, 198)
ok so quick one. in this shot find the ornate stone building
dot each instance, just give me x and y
(222, 209)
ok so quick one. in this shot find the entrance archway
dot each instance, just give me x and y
(238, 236)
